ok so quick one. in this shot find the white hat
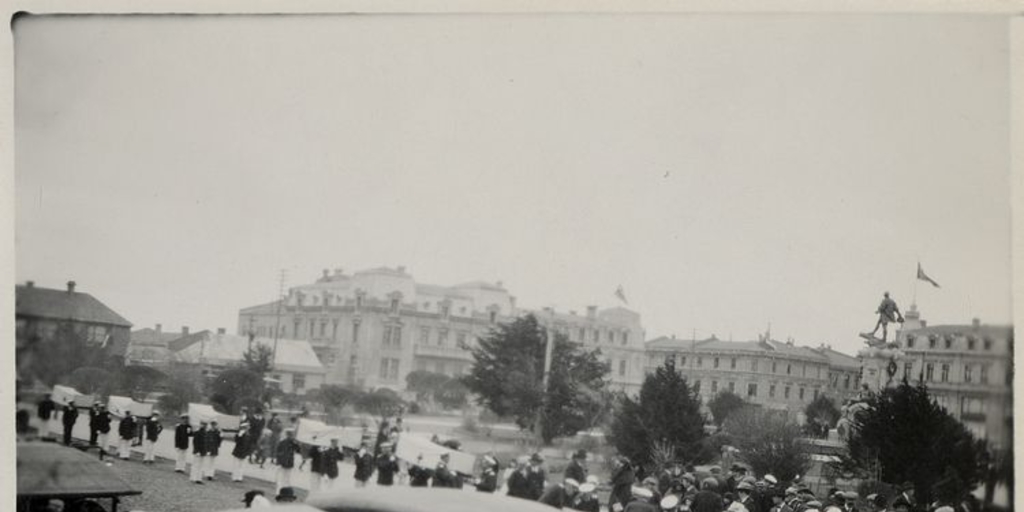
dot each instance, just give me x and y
(642, 492)
(771, 479)
(572, 482)
(592, 479)
(588, 487)
(670, 502)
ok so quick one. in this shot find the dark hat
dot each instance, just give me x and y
(286, 494)
(536, 457)
(737, 467)
(580, 454)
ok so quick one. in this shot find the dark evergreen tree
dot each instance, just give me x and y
(665, 413)
(906, 437)
(822, 415)
(508, 372)
(769, 442)
(724, 404)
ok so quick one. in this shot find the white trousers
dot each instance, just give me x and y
(124, 447)
(329, 483)
(182, 460)
(101, 441)
(54, 427)
(284, 478)
(236, 475)
(315, 479)
(149, 448)
(208, 469)
(196, 475)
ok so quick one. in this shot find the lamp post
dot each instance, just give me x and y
(549, 345)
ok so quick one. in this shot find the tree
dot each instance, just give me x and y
(666, 412)
(381, 402)
(769, 442)
(335, 398)
(905, 436)
(137, 381)
(425, 384)
(822, 415)
(90, 380)
(452, 394)
(259, 359)
(52, 358)
(724, 404)
(182, 387)
(232, 386)
(508, 373)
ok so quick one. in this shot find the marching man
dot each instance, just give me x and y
(126, 432)
(102, 429)
(153, 428)
(199, 451)
(286, 450)
(182, 432)
(240, 452)
(213, 440)
(68, 416)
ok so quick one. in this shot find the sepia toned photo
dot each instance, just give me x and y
(409, 258)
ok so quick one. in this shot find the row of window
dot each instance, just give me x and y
(716, 362)
(948, 340)
(394, 305)
(972, 373)
(752, 390)
(593, 335)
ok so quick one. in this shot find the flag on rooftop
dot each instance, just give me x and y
(924, 277)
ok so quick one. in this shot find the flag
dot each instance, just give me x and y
(924, 277)
(621, 294)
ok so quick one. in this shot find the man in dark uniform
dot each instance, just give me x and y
(46, 411)
(586, 500)
(577, 469)
(126, 432)
(488, 481)
(102, 429)
(329, 460)
(560, 495)
(93, 431)
(387, 465)
(286, 451)
(443, 476)
(153, 428)
(256, 425)
(364, 465)
(199, 452)
(622, 483)
(182, 433)
(213, 441)
(536, 477)
(419, 476)
(240, 451)
(316, 467)
(68, 416)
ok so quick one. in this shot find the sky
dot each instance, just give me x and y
(729, 172)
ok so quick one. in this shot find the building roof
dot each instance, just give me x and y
(150, 336)
(54, 471)
(995, 331)
(714, 344)
(221, 349)
(838, 359)
(268, 308)
(64, 305)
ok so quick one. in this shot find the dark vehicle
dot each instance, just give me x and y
(48, 471)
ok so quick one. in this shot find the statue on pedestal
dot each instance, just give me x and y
(888, 312)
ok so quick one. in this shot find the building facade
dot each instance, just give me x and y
(149, 346)
(968, 369)
(773, 374)
(374, 327)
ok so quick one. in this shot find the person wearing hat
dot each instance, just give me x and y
(255, 499)
(708, 499)
(792, 501)
(443, 475)
(640, 500)
(419, 476)
(488, 481)
(213, 442)
(199, 451)
(387, 465)
(850, 499)
(182, 434)
(286, 494)
(586, 499)
(316, 466)
(651, 484)
(577, 469)
(329, 459)
(69, 415)
(46, 410)
(126, 432)
(364, 465)
(670, 503)
(286, 450)
(732, 504)
(94, 412)
(813, 505)
(152, 428)
(778, 500)
(745, 495)
(560, 495)
(736, 473)
(517, 481)
(240, 452)
(623, 478)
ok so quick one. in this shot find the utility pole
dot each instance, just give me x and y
(277, 316)
(549, 345)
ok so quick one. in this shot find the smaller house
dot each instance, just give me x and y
(148, 346)
(296, 366)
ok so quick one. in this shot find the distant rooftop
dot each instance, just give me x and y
(218, 348)
(763, 345)
(68, 304)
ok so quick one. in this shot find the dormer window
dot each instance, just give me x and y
(494, 318)
(949, 342)
(910, 340)
(987, 343)
(394, 305)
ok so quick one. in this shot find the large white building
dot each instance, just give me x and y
(374, 326)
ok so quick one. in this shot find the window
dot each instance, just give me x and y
(682, 361)
(984, 374)
(445, 310)
(815, 394)
(971, 343)
(394, 305)
(987, 343)
(753, 365)
(752, 389)
(714, 387)
(386, 340)
(323, 329)
(622, 367)
(801, 393)
(908, 371)
(700, 362)
(460, 340)
(442, 337)
(424, 335)
(355, 332)
(803, 369)
(732, 363)
(910, 341)
(949, 342)
(785, 393)
(846, 381)
(494, 318)
(298, 381)
(596, 336)
(789, 369)
(96, 335)
(945, 373)
(295, 331)
(396, 336)
(775, 367)
(696, 386)
(968, 373)
(931, 341)
(771, 391)
(389, 369)
(583, 334)
(334, 329)
(715, 364)
(611, 336)
(732, 387)
(312, 328)
(625, 337)
(929, 372)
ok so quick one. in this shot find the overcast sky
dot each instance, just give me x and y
(727, 171)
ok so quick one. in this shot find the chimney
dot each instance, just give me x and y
(976, 323)
(184, 330)
(222, 331)
(591, 311)
(159, 328)
(30, 284)
(71, 287)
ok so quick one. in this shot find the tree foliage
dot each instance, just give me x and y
(51, 358)
(91, 380)
(769, 442)
(231, 386)
(822, 415)
(259, 359)
(908, 437)
(508, 372)
(425, 384)
(183, 386)
(666, 412)
(724, 404)
(138, 381)
(381, 402)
